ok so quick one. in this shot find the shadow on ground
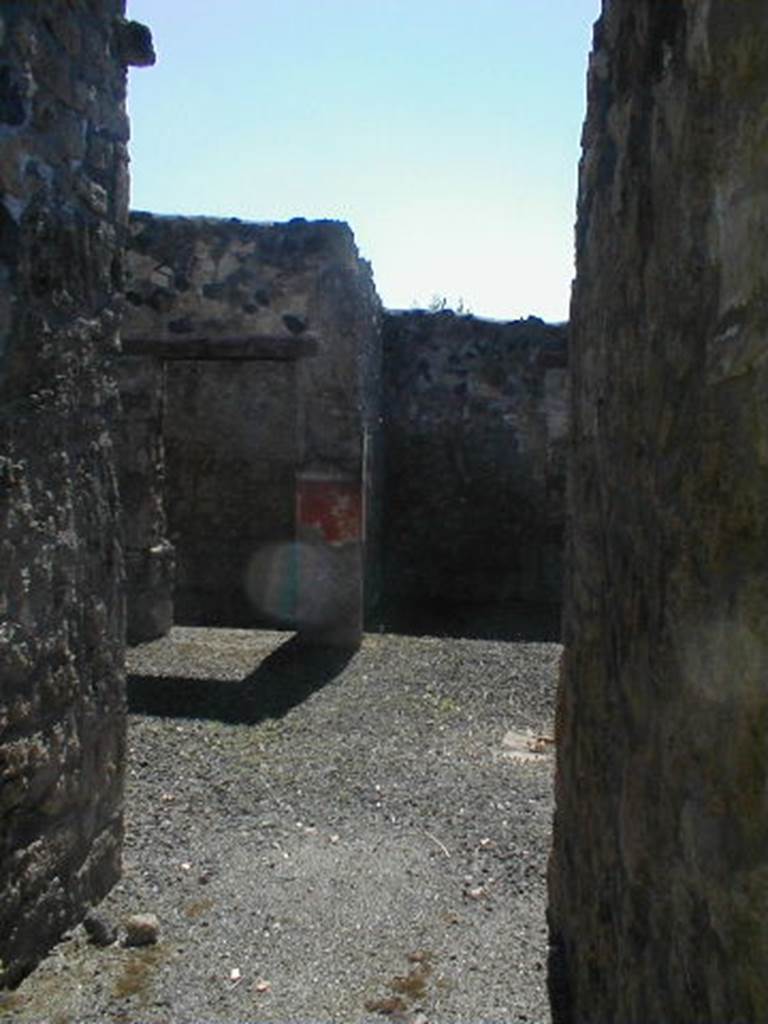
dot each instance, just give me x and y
(285, 678)
(522, 623)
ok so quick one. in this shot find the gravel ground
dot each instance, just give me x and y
(324, 837)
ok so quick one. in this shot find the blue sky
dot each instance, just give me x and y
(446, 132)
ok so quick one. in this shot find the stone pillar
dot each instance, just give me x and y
(659, 878)
(329, 570)
(63, 196)
(339, 396)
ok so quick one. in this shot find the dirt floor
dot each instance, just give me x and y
(324, 837)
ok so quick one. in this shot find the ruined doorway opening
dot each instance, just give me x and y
(268, 340)
(238, 705)
(314, 451)
(409, 780)
(409, 803)
(96, 648)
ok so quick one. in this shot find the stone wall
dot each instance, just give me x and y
(282, 410)
(231, 439)
(63, 194)
(270, 337)
(475, 425)
(140, 449)
(658, 880)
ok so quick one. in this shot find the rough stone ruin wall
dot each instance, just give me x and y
(474, 452)
(658, 881)
(467, 415)
(269, 341)
(63, 206)
(140, 452)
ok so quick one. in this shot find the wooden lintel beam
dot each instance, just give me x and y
(243, 349)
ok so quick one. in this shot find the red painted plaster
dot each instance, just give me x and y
(333, 508)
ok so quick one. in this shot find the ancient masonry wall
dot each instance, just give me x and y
(475, 432)
(140, 450)
(63, 196)
(269, 338)
(658, 881)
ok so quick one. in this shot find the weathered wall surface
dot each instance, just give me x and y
(658, 882)
(238, 431)
(63, 182)
(475, 425)
(232, 449)
(140, 456)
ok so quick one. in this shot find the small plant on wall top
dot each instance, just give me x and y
(439, 304)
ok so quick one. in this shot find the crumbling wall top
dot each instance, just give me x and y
(194, 278)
